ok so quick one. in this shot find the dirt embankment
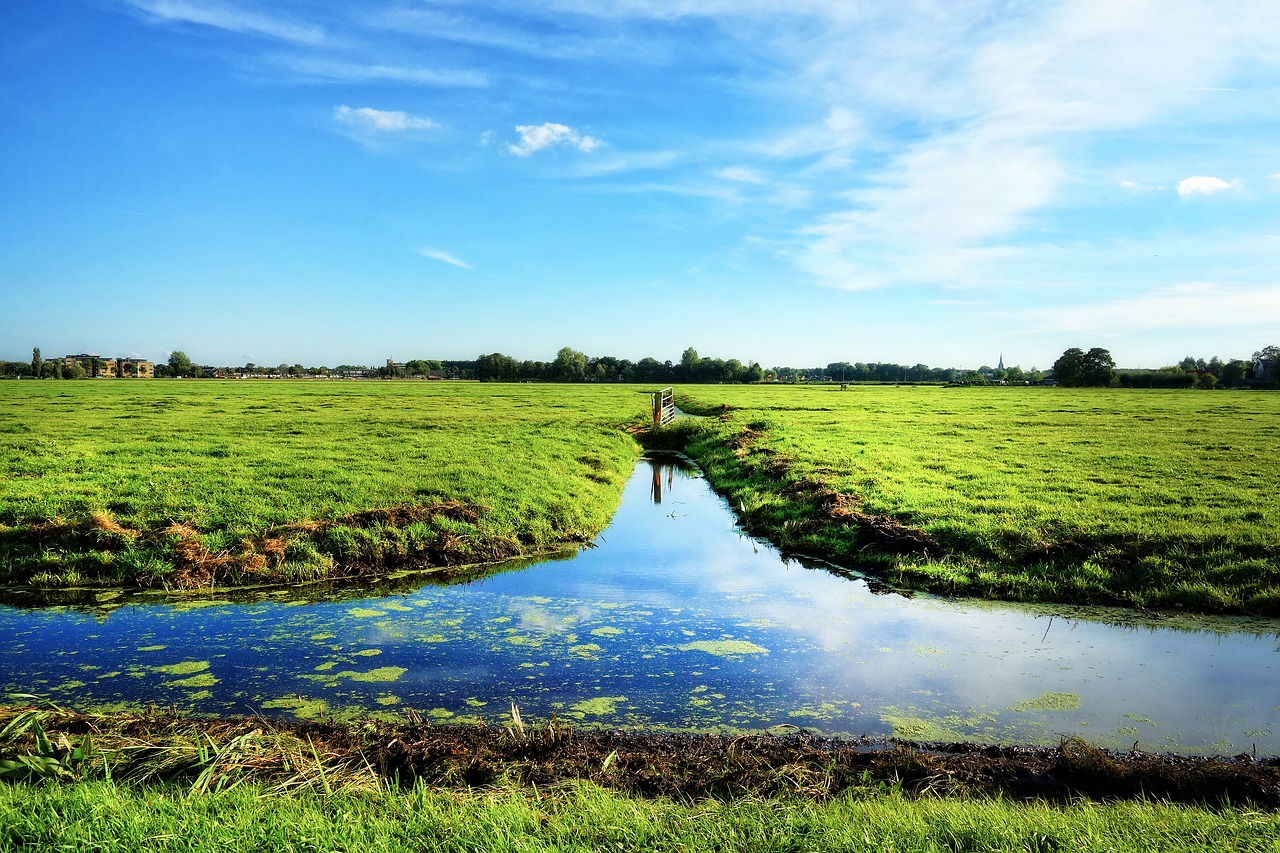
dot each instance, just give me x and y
(164, 745)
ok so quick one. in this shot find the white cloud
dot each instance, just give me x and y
(741, 175)
(1204, 185)
(336, 71)
(381, 121)
(536, 137)
(225, 16)
(1136, 187)
(1197, 306)
(444, 257)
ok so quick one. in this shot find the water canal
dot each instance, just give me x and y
(675, 620)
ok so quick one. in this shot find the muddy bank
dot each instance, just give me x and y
(166, 746)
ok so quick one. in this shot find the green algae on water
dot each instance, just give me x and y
(600, 706)
(185, 668)
(1048, 702)
(724, 648)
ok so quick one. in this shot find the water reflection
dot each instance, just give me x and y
(677, 619)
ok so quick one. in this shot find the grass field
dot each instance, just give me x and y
(191, 483)
(1143, 498)
(106, 816)
(1147, 498)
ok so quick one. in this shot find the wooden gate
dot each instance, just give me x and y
(664, 407)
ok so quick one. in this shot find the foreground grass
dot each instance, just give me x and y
(109, 816)
(1142, 498)
(174, 483)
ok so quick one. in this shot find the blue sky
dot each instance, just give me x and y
(790, 183)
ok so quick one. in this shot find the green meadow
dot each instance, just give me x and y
(180, 483)
(110, 816)
(1165, 499)
(1144, 498)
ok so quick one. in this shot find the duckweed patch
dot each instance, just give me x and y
(299, 707)
(184, 668)
(381, 674)
(724, 648)
(600, 706)
(1049, 702)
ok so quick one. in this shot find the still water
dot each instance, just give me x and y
(675, 620)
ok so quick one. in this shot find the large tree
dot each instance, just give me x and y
(179, 364)
(569, 366)
(1266, 364)
(1077, 368)
(37, 363)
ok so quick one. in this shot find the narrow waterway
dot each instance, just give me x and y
(676, 620)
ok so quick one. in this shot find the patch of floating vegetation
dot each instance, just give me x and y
(600, 706)
(382, 673)
(607, 631)
(204, 679)
(434, 638)
(366, 613)
(200, 604)
(199, 695)
(724, 648)
(326, 666)
(319, 638)
(152, 648)
(388, 700)
(399, 608)
(588, 651)
(303, 709)
(368, 653)
(185, 668)
(1049, 702)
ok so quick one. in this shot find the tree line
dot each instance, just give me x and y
(1096, 368)
(1075, 368)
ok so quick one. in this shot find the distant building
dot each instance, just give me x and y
(97, 367)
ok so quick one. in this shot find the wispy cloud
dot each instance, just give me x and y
(741, 175)
(1196, 305)
(1136, 187)
(225, 16)
(537, 137)
(381, 121)
(444, 257)
(340, 71)
(1204, 185)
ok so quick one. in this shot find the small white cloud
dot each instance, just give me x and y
(486, 138)
(1134, 186)
(381, 121)
(444, 257)
(1275, 177)
(536, 137)
(741, 175)
(1204, 185)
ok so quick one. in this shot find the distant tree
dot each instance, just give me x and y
(75, 370)
(1235, 373)
(569, 366)
(496, 366)
(179, 364)
(1068, 370)
(1100, 367)
(1076, 368)
(37, 363)
(1188, 364)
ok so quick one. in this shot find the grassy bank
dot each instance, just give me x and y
(159, 781)
(188, 484)
(107, 816)
(1141, 498)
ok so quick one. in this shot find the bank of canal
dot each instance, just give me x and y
(675, 620)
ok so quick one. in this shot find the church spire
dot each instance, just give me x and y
(1000, 366)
